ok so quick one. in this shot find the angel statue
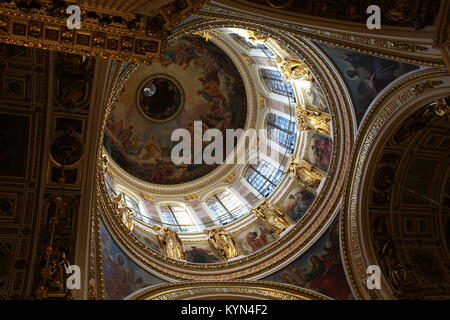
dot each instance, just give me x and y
(125, 213)
(222, 241)
(272, 217)
(305, 172)
(312, 120)
(294, 69)
(169, 242)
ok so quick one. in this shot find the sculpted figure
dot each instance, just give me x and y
(125, 213)
(294, 69)
(440, 107)
(222, 241)
(305, 172)
(272, 217)
(169, 242)
(256, 37)
(312, 120)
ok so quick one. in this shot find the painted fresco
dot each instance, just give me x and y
(366, 76)
(319, 269)
(319, 151)
(296, 202)
(254, 238)
(314, 98)
(14, 131)
(198, 252)
(121, 275)
(146, 238)
(213, 92)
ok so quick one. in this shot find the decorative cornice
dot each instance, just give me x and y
(136, 39)
(245, 289)
(408, 52)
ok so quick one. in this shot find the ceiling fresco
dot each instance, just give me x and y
(196, 81)
(365, 75)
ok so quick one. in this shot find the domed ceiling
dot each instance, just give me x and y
(196, 81)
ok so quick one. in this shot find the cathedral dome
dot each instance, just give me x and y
(224, 214)
(196, 81)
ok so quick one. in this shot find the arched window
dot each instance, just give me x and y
(264, 177)
(282, 131)
(275, 82)
(178, 217)
(225, 207)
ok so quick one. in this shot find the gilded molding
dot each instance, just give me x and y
(384, 48)
(249, 289)
(46, 28)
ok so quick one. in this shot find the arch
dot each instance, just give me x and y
(249, 290)
(177, 216)
(399, 102)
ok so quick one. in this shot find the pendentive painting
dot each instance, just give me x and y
(296, 202)
(121, 275)
(254, 238)
(196, 87)
(319, 269)
(200, 252)
(365, 75)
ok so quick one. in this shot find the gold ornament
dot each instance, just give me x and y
(169, 242)
(125, 213)
(312, 120)
(222, 241)
(305, 172)
(256, 38)
(294, 69)
(272, 217)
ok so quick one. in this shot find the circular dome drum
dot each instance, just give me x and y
(228, 83)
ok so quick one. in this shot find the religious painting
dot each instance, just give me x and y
(254, 238)
(147, 238)
(366, 76)
(200, 252)
(121, 275)
(319, 268)
(296, 202)
(319, 151)
(195, 88)
(14, 130)
(315, 98)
